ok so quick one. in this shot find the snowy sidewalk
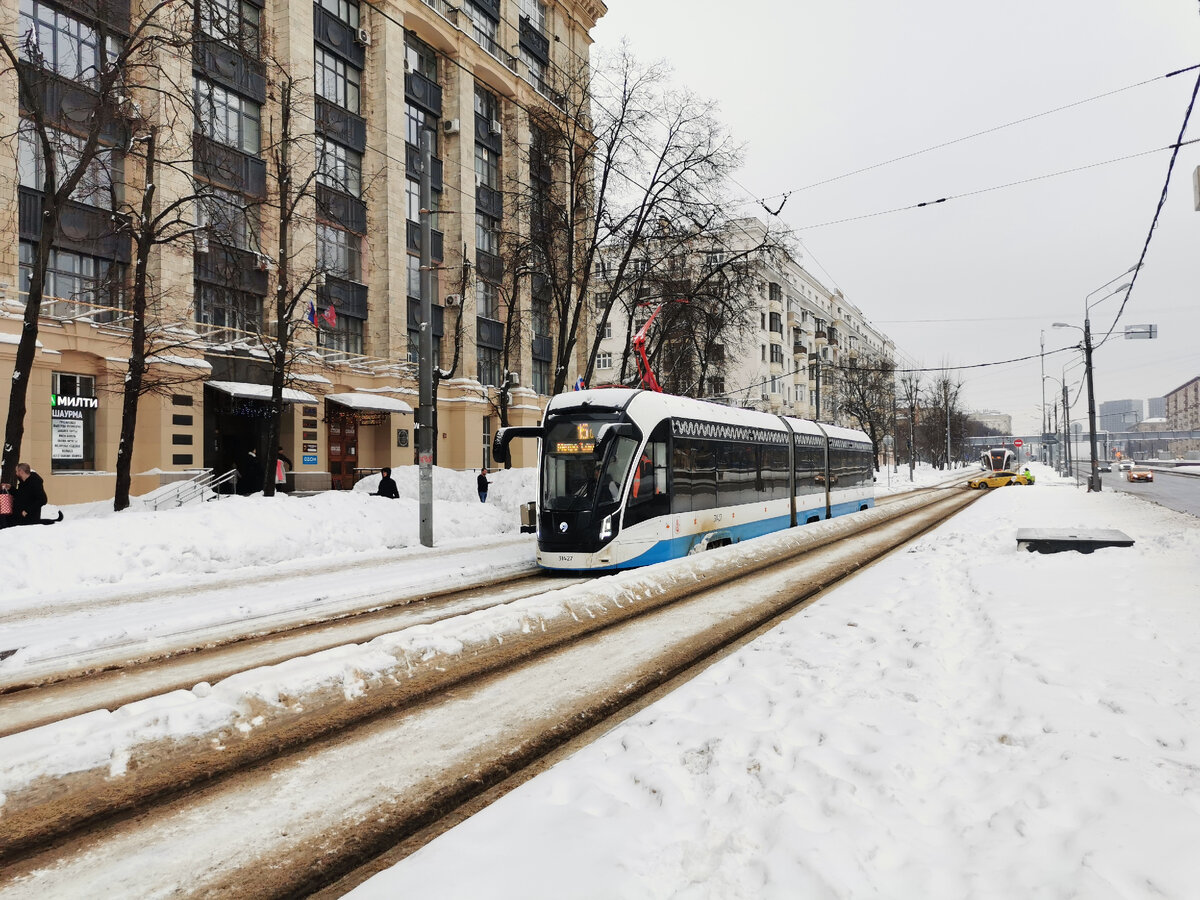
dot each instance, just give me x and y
(964, 719)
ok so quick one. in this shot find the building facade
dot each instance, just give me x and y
(365, 81)
(784, 354)
(1120, 415)
(1183, 414)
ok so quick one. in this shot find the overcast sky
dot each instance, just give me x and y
(820, 88)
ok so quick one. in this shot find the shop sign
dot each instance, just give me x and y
(310, 448)
(401, 437)
(308, 411)
(309, 460)
(59, 401)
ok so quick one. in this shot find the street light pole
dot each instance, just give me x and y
(1094, 479)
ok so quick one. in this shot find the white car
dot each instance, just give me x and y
(1126, 465)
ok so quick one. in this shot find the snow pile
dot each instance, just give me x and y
(96, 546)
(963, 719)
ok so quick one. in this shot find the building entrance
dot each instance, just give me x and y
(343, 451)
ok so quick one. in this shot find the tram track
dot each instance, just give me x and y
(646, 643)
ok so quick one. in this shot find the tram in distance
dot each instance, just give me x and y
(999, 459)
(630, 477)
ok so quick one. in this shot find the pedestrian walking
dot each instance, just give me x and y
(250, 475)
(387, 486)
(283, 465)
(482, 483)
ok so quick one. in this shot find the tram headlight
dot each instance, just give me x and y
(606, 528)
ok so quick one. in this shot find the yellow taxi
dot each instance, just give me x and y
(999, 479)
(1137, 473)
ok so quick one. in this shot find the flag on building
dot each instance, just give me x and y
(330, 317)
(311, 316)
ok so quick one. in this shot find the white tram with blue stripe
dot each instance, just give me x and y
(628, 478)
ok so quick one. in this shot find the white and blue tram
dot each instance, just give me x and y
(628, 478)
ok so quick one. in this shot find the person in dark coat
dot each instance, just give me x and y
(482, 483)
(387, 487)
(250, 475)
(29, 496)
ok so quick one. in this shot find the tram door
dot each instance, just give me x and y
(343, 452)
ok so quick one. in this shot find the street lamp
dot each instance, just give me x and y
(1094, 479)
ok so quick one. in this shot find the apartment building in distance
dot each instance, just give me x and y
(784, 356)
(367, 79)
(1183, 414)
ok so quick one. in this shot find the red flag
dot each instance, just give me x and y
(330, 317)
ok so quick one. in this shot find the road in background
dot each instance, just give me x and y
(1178, 492)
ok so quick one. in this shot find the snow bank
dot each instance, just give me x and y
(95, 546)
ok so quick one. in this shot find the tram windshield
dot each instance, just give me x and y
(573, 478)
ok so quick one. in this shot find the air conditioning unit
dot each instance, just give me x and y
(363, 37)
(451, 126)
(201, 243)
(263, 263)
(513, 378)
(496, 127)
(454, 300)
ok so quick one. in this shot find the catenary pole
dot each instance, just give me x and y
(425, 435)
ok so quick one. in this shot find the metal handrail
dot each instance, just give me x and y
(197, 488)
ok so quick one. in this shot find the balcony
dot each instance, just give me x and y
(71, 105)
(489, 266)
(543, 348)
(341, 209)
(340, 124)
(423, 92)
(412, 163)
(489, 202)
(443, 9)
(484, 134)
(111, 12)
(414, 241)
(799, 349)
(534, 41)
(333, 34)
(231, 267)
(229, 67)
(230, 168)
(84, 229)
(414, 317)
(489, 333)
(347, 297)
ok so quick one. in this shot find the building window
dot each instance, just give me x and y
(777, 323)
(608, 330)
(541, 376)
(487, 104)
(487, 167)
(535, 71)
(339, 167)
(541, 317)
(413, 196)
(414, 348)
(489, 366)
(225, 217)
(227, 118)
(72, 424)
(483, 27)
(225, 308)
(415, 121)
(75, 283)
(346, 10)
(764, 352)
(337, 81)
(604, 360)
(776, 355)
(535, 12)
(346, 335)
(487, 299)
(421, 58)
(103, 176)
(232, 22)
(716, 386)
(64, 44)
(339, 252)
(487, 234)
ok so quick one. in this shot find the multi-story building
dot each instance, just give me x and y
(1183, 414)
(365, 80)
(999, 422)
(785, 353)
(1156, 408)
(1120, 415)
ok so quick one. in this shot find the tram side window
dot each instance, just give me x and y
(810, 462)
(775, 471)
(649, 495)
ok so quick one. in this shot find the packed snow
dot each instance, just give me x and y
(961, 719)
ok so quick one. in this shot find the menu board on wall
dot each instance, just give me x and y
(66, 438)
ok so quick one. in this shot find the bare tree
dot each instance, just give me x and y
(910, 388)
(75, 121)
(619, 160)
(868, 395)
